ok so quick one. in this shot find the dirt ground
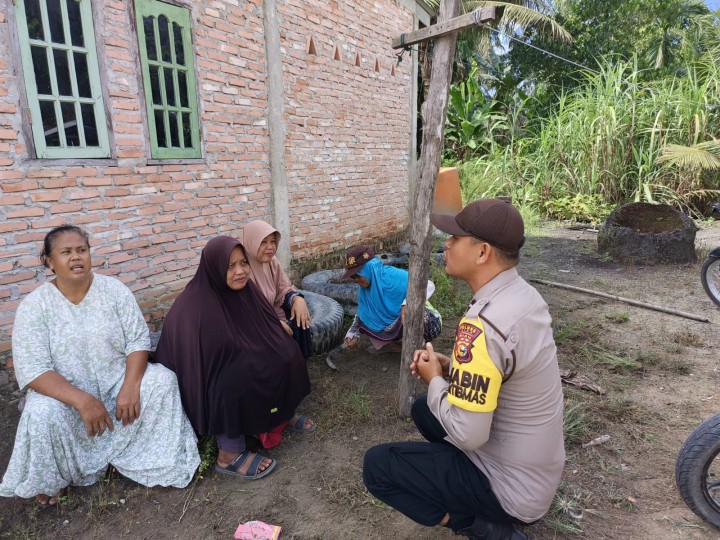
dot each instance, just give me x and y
(660, 371)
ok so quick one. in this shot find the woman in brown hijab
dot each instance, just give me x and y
(238, 370)
(261, 241)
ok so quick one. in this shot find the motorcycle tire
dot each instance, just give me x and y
(696, 476)
(710, 277)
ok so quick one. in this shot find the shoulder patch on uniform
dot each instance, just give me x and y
(474, 378)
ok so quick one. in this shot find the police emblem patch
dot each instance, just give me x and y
(465, 336)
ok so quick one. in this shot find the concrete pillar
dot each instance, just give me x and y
(277, 130)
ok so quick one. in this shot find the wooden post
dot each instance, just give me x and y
(433, 110)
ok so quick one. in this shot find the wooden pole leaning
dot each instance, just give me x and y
(433, 111)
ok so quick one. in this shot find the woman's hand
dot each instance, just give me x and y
(94, 415)
(287, 328)
(127, 407)
(92, 411)
(299, 313)
(351, 342)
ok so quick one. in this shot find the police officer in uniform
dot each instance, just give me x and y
(493, 414)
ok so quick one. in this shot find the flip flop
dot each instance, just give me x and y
(253, 472)
(299, 425)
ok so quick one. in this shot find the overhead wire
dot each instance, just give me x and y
(567, 60)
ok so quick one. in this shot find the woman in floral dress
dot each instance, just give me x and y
(80, 345)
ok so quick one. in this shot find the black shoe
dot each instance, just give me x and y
(483, 530)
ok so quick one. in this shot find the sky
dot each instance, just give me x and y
(713, 4)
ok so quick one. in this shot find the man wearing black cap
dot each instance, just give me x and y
(493, 416)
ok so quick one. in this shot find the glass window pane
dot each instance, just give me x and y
(179, 48)
(72, 135)
(54, 11)
(174, 133)
(150, 37)
(62, 72)
(182, 87)
(160, 129)
(34, 22)
(169, 87)
(75, 18)
(50, 127)
(82, 75)
(164, 30)
(89, 125)
(187, 134)
(42, 71)
(155, 85)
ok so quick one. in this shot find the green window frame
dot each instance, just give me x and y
(168, 70)
(62, 79)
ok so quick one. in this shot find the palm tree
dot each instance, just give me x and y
(481, 44)
(673, 20)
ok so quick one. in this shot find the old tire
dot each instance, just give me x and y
(327, 320)
(324, 282)
(645, 233)
(710, 277)
(696, 471)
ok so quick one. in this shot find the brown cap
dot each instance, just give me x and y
(356, 259)
(494, 220)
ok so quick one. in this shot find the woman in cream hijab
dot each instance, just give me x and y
(261, 241)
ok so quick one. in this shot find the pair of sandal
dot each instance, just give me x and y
(253, 472)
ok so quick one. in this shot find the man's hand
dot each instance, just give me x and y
(287, 328)
(94, 415)
(351, 342)
(127, 407)
(425, 364)
(299, 313)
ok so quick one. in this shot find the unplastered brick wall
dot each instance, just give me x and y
(147, 221)
(347, 106)
(346, 148)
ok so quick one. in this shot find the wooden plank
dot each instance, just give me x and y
(433, 111)
(474, 18)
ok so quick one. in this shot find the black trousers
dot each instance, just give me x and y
(426, 480)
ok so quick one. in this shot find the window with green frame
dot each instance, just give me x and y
(166, 57)
(62, 80)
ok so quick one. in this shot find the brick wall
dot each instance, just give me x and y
(346, 153)
(348, 125)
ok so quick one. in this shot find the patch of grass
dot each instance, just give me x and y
(687, 339)
(677, 366)
(576, 423)
(648, 358)
(573, 330)
(618, 317)
(674, 364)
(349, 491)
(359, 403)
(616, 410)
(567, 501)
(618, 497)
(344, 404)
(591, 354)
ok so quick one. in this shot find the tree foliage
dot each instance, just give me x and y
(657, 32)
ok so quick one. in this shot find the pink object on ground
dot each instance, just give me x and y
(257, 530)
